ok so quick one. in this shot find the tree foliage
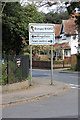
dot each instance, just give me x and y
(38, 49)
(15, 22)
(72, 6)
(56, 18)
(71, 10)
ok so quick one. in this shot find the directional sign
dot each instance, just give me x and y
(44, 28)
(41, 34)
(41, 38)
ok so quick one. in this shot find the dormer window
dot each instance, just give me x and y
(74, 37)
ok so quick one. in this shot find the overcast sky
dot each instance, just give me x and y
(45, 8)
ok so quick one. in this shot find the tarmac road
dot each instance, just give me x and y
(57, 76)
(63, 105)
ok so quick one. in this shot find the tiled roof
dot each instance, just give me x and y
(65, 45)
(69, 26)
(57, 30)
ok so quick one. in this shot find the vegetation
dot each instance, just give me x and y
(14, 73)
(56, 18)
(15, 21)
(71, 10)
(4, 73)
(70, 69)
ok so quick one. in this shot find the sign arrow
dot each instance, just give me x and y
(50, 41)
(33, 36)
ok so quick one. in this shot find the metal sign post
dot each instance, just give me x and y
(41, 34)
(51, 64)
(30, 65)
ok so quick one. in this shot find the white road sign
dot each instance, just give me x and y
(38, 28)
(41, 34)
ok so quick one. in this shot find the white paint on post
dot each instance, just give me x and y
(30, 64)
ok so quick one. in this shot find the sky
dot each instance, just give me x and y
(45, 8)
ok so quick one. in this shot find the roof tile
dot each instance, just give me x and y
(69, 26)
(57, 30)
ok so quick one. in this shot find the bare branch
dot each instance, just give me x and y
(40, 4)
(3, 7)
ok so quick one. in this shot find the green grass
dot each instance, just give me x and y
(29, 77)
(70, 69)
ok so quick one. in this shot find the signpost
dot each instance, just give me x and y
(41, 34)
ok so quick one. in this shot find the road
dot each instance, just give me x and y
(57, 76)
(63, 105)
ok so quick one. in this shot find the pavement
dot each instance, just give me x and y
(40, 88)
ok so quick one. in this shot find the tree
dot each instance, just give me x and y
(72, 6)
(38, 49)
(41, 49)
(15, 21)
(11, 33)
(56, 18)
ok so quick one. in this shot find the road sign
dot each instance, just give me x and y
(41, 34)
(41, 28)
(41, 38)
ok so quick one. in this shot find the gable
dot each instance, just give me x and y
(57, 30)
(69, 27)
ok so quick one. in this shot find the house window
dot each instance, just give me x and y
(66, 53)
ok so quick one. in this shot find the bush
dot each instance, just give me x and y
(36, 57)
(4, 73)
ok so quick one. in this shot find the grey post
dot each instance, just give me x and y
(51, 64)
(30, 64)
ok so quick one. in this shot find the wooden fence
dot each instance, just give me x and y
(47, 65)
